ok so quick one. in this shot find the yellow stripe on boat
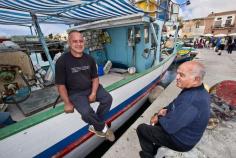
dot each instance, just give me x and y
(183, 52)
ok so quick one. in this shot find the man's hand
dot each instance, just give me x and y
(69, 108)
(162, 112)
(154, 119)
(92, 97)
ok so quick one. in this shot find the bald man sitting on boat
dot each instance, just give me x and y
(180, 125)
(78, 85)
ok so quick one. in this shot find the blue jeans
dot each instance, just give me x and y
(82, 105)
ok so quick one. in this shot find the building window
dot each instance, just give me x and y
(218, 22)
(228, 21)
(197, 24)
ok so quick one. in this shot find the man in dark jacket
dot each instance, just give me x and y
(181, 124)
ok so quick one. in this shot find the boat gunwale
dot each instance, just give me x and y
(59, 109)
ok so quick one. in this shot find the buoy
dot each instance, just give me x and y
(131, 70)
(155, 93)
(107, 67)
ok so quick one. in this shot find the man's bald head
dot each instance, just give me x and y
(195, 68)
(71, 32)
(190, 74)
(76, 43)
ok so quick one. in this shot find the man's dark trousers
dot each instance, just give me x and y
(153, 137)
(82, 105)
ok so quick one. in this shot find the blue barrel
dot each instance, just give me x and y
(100, 70)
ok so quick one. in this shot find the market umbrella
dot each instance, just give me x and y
(220, 35)
(208, 35)
(232, 34)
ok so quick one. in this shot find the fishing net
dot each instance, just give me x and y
(223, 102)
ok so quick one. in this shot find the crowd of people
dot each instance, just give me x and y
(217, 43)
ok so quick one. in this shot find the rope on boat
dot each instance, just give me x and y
(21, 94)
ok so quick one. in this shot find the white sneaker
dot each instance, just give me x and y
(109, 135)
(98, 133)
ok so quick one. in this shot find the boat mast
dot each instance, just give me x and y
(157, 38)
(42, 40)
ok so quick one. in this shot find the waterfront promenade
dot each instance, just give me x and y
(216, 143)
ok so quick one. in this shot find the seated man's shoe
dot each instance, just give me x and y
(110, 135)
(98, 133)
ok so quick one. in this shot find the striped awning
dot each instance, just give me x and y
(63, 11)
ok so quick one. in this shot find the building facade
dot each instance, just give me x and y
(220, 23)
(214, 23)
(193, 28)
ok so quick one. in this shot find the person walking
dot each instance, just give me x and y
(230, 45)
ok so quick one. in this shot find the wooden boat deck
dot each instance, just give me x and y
(42, 99)
(39, 100)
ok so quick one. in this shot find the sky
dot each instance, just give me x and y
(9, 30)
(197, 9)
(202, 8)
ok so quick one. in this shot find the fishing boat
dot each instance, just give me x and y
(126, 41)
(185, 54)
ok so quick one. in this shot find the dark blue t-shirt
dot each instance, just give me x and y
(187, 116)
(75, 73)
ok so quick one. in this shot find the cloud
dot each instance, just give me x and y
(202, 8)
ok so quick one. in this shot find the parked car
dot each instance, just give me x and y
(188, 42)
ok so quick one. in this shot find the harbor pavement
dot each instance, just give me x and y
(217, 143)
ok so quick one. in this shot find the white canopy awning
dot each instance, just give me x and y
(208, 35)
(232, 34)
(220, 35)
(18, 12)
